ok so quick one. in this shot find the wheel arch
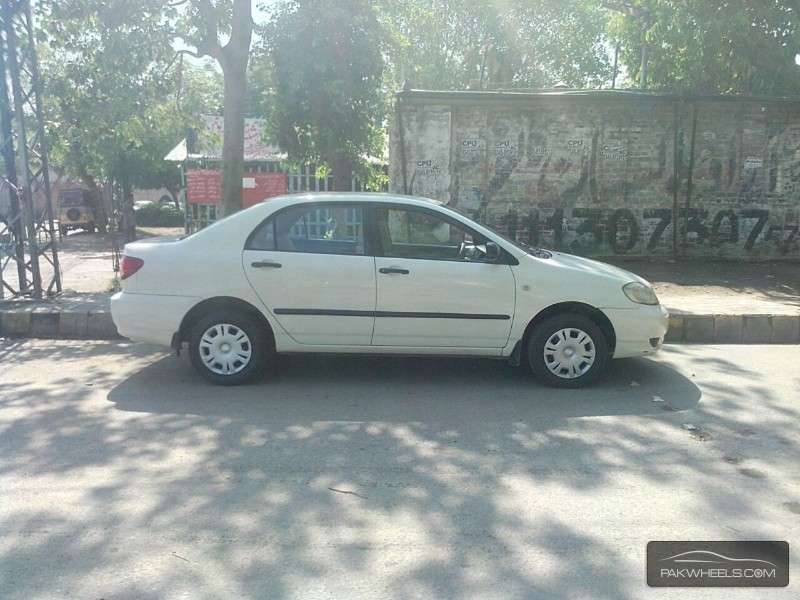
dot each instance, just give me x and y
(208, 305)
(595, 314)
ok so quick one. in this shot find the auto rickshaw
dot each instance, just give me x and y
(75, 211)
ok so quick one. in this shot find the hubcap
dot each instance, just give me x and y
(225, 349)
(569, 353)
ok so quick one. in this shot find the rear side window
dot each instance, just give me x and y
(72, 200)
(314, 229)
(263, 238)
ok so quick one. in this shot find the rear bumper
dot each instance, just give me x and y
(640, 330)
(151, 318)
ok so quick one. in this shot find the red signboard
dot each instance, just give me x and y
(204, 186)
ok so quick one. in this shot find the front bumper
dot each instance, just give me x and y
(152, 318)
(640, 330)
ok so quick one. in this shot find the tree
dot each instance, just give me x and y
(203, 23)
(102, 65)
(116, 98)
(328, 104)
(715, 46)
(484, 44)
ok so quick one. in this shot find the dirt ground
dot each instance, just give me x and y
(86, 260)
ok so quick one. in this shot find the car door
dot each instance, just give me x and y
(434, 288)
(309, 265)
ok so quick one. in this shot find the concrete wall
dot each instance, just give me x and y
(609, 173)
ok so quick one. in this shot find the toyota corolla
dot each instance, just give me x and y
(379, 274)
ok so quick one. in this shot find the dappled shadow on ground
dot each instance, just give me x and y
(320, 388)
(420, 477)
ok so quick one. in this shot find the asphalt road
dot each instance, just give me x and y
(122, 475)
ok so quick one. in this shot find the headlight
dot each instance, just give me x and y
(640, 293)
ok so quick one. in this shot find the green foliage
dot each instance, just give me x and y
(102, 66)
(159, 215)
(480, 44)
(713, 46)
(117, 98)
(328, 102)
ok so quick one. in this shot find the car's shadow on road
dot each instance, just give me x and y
(356, 388)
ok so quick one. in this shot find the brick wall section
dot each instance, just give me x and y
(595, 173)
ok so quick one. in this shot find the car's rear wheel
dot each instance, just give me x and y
(568, 351)
(228, 347)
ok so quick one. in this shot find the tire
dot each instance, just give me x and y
(209, 356)
(568, 351)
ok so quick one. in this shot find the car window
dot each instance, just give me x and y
(72, 201)
(420, 234)
(333, 229)
(263, 238)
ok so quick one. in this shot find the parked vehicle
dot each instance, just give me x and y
(380, 274)
(75, 211)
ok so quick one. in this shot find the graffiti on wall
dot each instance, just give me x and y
(623, 231)
(602, 180)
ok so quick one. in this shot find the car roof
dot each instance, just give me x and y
(356, 197)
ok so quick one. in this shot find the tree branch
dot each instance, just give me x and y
(238, 46)
(209, 43)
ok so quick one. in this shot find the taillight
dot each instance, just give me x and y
(129, 265)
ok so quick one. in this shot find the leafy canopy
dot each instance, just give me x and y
(117, 99)
(711, 46)
(327, 72)
(478, 44)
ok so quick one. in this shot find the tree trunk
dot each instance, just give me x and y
(233, 59)
(97, 204)
(174, 191)
(233, 140)
(128, 216)
(342, 171)
(95, 198)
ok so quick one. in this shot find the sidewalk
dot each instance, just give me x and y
(709, 302)
(726, 302)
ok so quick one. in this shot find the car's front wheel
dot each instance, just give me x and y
(568, 351)
(229, 348)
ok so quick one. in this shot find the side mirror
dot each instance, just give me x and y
(492, 252)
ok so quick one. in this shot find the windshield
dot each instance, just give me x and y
(532, 250)
(72, 201)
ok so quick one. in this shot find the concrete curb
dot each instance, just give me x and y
(733, 329)
(54, 324)
(683, 328)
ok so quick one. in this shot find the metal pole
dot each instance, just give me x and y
(15, 218)
(690, 176)
(643, 68)
(19, 117)
(401, 135)
(40, 133)
(677, 157)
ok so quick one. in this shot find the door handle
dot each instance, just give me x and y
(265, 264)
(391, 270)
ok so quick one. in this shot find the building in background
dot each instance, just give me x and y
(266, 172)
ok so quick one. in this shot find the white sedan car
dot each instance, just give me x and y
(379, 274)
